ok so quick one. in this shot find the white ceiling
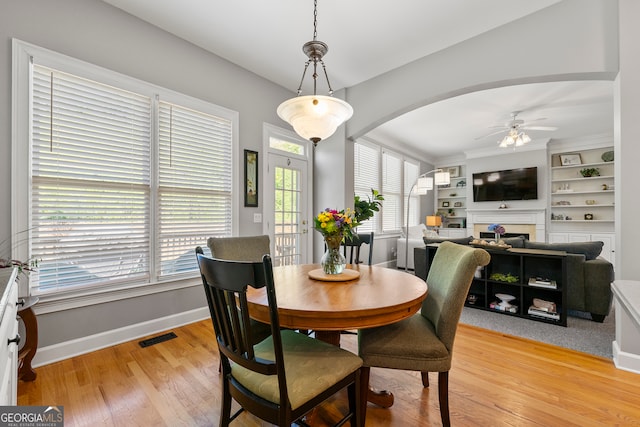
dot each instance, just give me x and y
(369, 37)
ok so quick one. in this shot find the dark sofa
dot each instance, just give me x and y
(589, 275)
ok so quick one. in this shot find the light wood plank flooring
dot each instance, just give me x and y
(496, 380)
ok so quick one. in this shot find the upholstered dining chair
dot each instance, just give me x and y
(245, 248)
(424, 342)
(283, 377)
(353, 247)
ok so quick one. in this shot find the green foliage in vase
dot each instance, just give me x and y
(588, 172)
(365, 209)
(499, 277)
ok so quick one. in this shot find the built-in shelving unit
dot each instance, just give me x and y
(583, 208)
(451, 201)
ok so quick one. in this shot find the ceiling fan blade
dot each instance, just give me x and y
(539, 128)
(492, 133)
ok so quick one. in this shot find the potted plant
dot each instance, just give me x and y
(588, 172)
(365, 209)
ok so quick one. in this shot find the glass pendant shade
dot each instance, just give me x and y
(315, 117)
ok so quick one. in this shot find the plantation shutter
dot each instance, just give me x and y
(90, 182)
(392, 192)
(195, 184)
(366, 173)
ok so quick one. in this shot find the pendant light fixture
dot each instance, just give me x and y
(315, 117)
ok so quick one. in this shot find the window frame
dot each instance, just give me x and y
(23, 55)
(379, 230)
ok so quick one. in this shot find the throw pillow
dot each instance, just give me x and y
(461, 241)
(591, 250)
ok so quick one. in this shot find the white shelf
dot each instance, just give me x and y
(582, 220)
(601, 205)
(568, 193)
(585, 178)
(584, 165)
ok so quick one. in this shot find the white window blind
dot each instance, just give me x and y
(411, 172)
(195, 184)
(115, 199)
(392, 192)
(366, 176)
(90, 182)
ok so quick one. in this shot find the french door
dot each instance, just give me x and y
(287, 202)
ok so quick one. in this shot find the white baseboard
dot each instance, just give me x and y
(67, 349)
(624, 360)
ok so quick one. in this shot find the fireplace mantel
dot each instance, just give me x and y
(532, 219)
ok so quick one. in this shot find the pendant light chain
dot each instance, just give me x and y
(315, 20)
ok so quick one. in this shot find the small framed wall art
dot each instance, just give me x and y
(250, 178)
(570, 159)
(454, 171)
(445, 204)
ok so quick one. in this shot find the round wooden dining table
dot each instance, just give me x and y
(378, 296)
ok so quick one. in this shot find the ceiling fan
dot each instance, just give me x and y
(515, 131)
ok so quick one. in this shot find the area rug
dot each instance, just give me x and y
(581, 333)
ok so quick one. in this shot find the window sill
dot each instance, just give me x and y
(92, 296)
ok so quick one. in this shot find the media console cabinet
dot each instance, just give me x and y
(524, 274)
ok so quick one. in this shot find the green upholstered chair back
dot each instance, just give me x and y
(247, 248)
(449, 280)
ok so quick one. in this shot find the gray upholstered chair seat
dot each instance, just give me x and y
(395, 346)
(310, 365)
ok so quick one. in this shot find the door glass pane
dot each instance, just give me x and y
(287, 213)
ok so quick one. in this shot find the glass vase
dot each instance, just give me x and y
(498, 236)
(333, 262)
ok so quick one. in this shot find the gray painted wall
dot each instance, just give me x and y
(98, 33)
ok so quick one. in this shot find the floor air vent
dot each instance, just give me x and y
(158, 339)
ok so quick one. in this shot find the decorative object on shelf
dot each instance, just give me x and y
(365, 209)
(334, 226)
(452, 212)
(564, 188)
(472, 298)
(505, 299)
(562, 203)
(453, 225)
(604, 187)
(457, 205)
(588, 216)
(497, 229)
(491, 244)
(315, 117)
(570, 159)
(445, 204)
(454, 171)
(590, 202)
(461, 183)
(453, 194)
(589, 172)
(607, 156)
(502, 206)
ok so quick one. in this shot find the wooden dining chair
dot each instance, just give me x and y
(283, 377)
(353, 247)
(424, 342)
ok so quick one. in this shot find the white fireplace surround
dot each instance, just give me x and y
(514, 220)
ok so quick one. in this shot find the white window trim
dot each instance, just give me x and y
(22, 56)
(381, 148)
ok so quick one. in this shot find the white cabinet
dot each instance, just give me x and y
(451, 200)
(609, 240)
(9, 338)
(587, 200)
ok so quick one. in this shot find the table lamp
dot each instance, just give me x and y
(434, 221)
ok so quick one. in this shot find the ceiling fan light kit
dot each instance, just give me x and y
(516, 136)
(315, 117)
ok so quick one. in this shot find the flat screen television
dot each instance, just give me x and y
(512, 184)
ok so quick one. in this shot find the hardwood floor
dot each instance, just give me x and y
(496, 380)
